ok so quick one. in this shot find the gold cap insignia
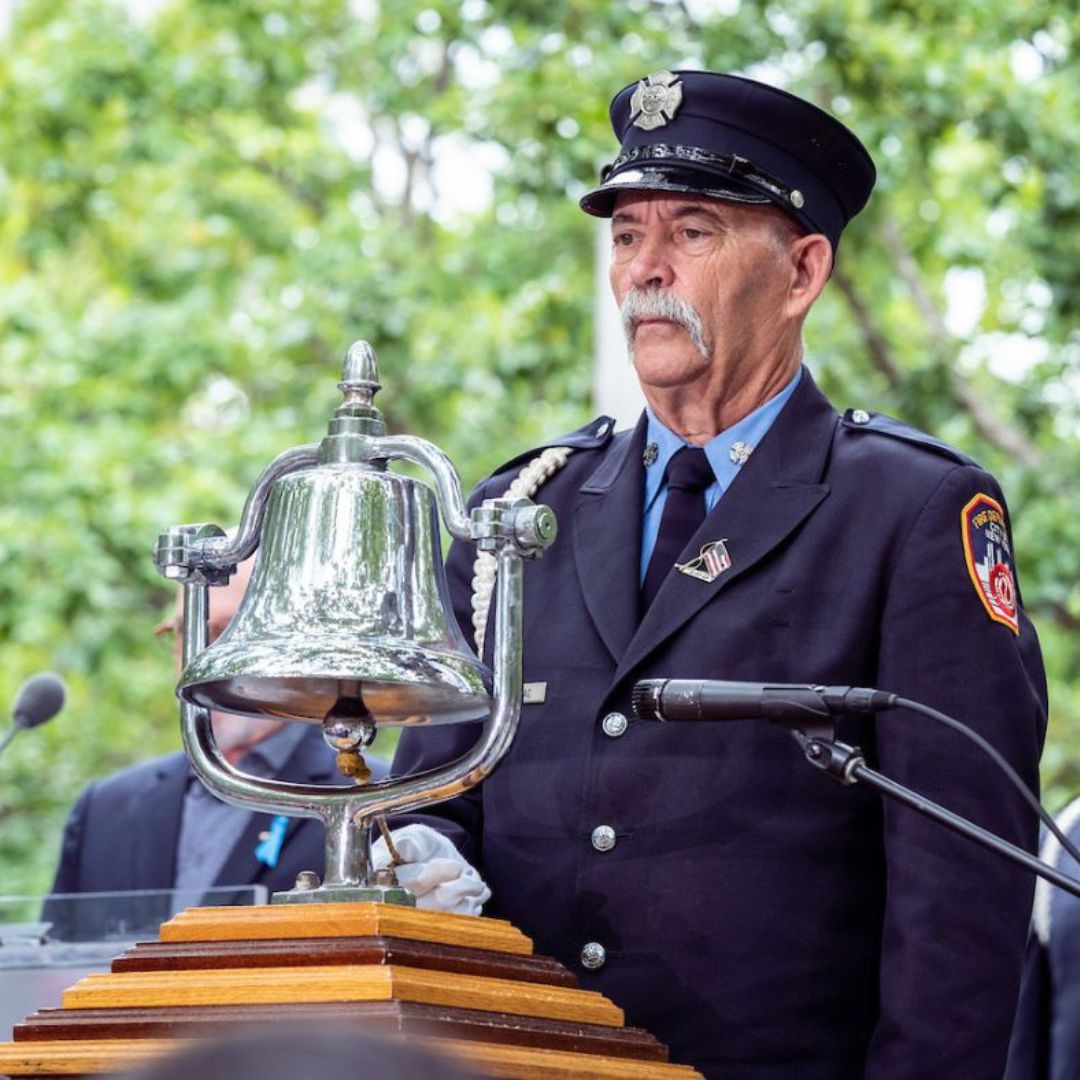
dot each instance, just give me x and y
(655, 101)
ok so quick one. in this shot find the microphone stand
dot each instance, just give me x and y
(847, 765)
(8, 736)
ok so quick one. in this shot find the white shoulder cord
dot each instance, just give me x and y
(524, 486)
(1051, 853)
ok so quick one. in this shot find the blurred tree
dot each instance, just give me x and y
(202, 203)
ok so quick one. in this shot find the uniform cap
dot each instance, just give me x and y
(731, 138)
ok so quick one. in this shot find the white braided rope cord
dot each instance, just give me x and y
(524, 486)
(1051, 853)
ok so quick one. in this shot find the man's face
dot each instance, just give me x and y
(700, 283)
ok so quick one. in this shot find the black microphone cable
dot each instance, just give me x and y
(998, 758)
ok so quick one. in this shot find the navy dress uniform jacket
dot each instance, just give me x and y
(123, 832)
(761, 919)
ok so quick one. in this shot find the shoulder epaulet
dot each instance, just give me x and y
(861, 420)
(593, 436)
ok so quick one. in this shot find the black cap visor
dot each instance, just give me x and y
(600, 202)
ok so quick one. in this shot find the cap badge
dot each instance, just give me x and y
(712, 561)
(655, 101)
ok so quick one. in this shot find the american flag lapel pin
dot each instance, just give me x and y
(711, 562)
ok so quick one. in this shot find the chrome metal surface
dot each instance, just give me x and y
(360, 374)
(359, 894)
(520, 522)
(447, 482)
(357, 414)
(348, 619)
(603, 838)
(593, 955)
(348, 733)
(614, 724)
(176, 554)
(222, 551)
(501, 726)
(348, 605)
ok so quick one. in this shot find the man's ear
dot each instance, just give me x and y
(811, 263)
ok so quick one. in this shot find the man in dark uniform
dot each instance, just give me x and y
(761, 919)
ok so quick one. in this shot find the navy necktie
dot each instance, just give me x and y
(688, 474)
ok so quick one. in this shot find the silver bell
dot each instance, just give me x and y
(348, 610)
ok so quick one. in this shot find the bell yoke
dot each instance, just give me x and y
(347, 623)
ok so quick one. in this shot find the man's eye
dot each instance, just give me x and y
(693, 234)
(622, 239)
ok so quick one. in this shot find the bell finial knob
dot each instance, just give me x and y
(357, 414)
(360, 375)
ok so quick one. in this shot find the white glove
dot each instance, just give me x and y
(434, 870)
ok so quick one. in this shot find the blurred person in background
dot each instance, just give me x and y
(1046, 1038)
(154, 825)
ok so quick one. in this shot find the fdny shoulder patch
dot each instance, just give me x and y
(988, 555)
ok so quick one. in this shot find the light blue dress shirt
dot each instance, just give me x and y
(750, 430)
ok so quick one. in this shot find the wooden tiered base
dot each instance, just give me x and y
(470, 987)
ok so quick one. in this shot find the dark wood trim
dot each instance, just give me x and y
(312, 952)
(396, 1017)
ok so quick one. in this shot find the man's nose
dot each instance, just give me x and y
(651, 266)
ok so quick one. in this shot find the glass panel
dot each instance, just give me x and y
(49, 943)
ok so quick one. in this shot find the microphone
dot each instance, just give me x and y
(39, 699)
(717, 699)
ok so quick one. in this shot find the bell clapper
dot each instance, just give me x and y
(348, 728)
(351, 763)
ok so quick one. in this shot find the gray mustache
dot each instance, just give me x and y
(641, 304)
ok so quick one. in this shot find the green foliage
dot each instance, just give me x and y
(202, 203)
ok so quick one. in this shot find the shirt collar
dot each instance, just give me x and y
(721, 449)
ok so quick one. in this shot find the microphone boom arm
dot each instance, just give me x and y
(809, 712)
(847, 765)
